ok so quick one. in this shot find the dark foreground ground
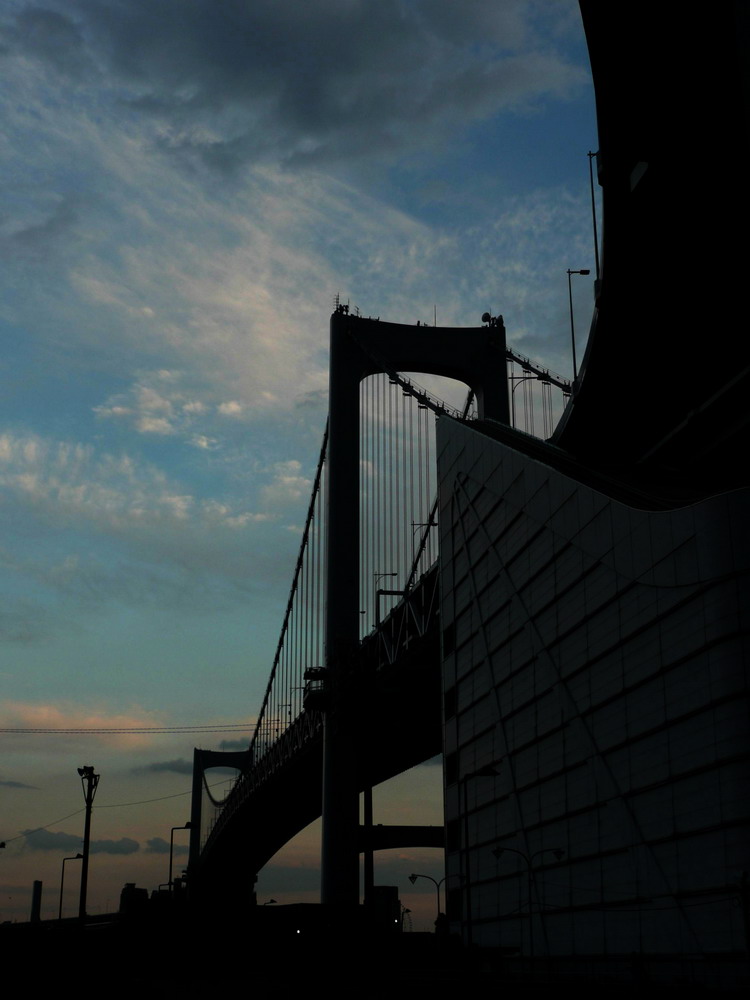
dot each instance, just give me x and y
(162, 957)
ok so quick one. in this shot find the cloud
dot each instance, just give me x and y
(149, 410)
(36, 240)
(113, 527)
(74, 481)
(203, 442)
(287, 486)
(41, 716)
(182, 766)
(157, 845)
(259, 84)
(178, 766)
(125, 845)
(155, 425)
(235, 284)
(17, 784)
(245, 82)
(233, 744)
(231, 408)
(44, 840)
(49, 36)
(174, 410)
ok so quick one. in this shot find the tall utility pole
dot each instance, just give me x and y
(89, 784)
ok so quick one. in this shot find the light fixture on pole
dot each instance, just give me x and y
(572, 322)
(187, 826)
(89, 784)
(413, 878)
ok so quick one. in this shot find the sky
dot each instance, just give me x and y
(187, 186)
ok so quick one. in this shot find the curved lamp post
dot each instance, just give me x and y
(73, 857)
(187, 826)
(413, 878)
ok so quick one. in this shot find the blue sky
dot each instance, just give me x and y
(187, 186)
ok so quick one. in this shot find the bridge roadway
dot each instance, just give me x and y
(399, 726)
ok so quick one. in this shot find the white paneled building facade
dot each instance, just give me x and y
(595, 683)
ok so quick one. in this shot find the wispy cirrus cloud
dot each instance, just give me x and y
(251, 83)
(71, 722)
(160, 403)
(113, 527)
(77, 480)
(288, 485)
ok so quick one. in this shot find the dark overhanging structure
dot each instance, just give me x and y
(595, 656)
(665, 379)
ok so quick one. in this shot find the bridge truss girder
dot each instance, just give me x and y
(398, 727)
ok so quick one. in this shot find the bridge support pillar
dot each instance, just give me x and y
(362, 347)
(340, 852)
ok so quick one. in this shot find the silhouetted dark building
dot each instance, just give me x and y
(594, 589)
(595, 653)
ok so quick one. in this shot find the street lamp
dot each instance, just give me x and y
(413, 878)
(572, 323)
(529, 859)
(187, 826)
(74, 857)
(379, 592)
(89, 784)
(488, 771)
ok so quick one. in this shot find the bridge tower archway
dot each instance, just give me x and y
(362, 347)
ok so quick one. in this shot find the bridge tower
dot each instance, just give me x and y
(362, 347)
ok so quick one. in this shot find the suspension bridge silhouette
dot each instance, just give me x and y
(360, 642)
(570, 617)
